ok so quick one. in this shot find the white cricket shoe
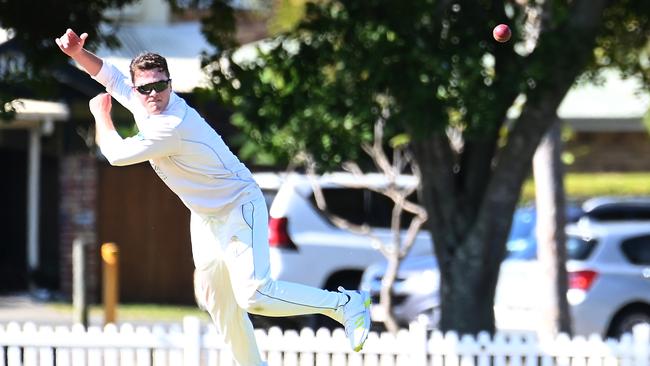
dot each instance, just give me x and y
(356, 317)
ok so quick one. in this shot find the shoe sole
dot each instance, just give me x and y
(365, 296)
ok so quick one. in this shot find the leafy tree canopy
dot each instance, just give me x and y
(431, 64)
(28, 58)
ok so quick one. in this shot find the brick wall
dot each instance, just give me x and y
(78, 202)
(611, 151)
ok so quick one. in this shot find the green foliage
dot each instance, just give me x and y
(321, 86)
(220, 30)
(624, 41)
(37, 22)
(26, 68)
(287, 15)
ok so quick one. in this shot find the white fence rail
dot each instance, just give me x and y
(195, 345)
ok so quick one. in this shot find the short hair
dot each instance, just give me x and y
(148, 61)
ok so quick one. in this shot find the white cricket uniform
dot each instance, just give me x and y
(229, 217)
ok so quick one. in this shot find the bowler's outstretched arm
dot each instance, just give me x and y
(73, 45)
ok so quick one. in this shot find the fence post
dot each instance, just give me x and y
(110, 256)
(192, 333)
(79, 288)
(418, 335)
(641, 336)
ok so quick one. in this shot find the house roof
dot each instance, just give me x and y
(180, 43)
(616, 105)
(4, 35)
(30, 112)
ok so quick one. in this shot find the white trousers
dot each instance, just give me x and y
(231, 255)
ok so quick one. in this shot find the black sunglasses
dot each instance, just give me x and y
(158, 86)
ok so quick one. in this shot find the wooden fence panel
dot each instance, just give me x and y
(151, 227)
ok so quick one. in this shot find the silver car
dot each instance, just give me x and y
(609, 270)
(609, 280)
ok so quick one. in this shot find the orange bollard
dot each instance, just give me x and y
(110, 256)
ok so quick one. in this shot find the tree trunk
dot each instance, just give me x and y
(470, 245)
(467, 296)
(470, 217)
(551, 238)
(469, 242)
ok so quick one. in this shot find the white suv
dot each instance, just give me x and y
(305, 247)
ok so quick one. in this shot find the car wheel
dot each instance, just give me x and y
(625, 322)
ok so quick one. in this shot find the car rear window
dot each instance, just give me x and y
(637, 249)
(269, 195)
(620, 212)
(579, 248)
(362, 206)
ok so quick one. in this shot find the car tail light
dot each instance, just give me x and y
(582, 280)
(279, 234)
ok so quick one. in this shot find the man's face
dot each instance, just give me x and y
(155, 102)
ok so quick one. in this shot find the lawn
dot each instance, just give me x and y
(140, 312)
(580, 186)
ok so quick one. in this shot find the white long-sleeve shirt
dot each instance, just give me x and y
(186, 153)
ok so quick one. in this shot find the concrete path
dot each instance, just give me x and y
(26, 307)
(23, 307)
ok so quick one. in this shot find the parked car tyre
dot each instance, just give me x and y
(627, 320)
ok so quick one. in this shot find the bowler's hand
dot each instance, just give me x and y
(70, 43)
(100, 106)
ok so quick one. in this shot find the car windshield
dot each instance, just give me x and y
(522, 243)
(578, 248)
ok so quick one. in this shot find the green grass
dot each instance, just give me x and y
(580, 186)
(142, 312)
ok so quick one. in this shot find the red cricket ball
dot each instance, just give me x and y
(501, 33)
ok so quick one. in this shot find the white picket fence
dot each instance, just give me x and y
(194, 344)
